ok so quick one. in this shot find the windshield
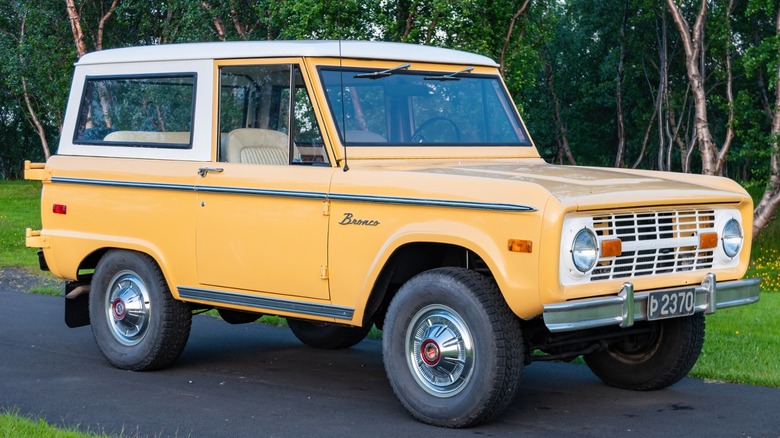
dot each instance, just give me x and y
(398, 107)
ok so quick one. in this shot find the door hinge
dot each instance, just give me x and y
(326, 208)
(323, 272)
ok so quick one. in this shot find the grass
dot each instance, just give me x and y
(14, 425)
(19, 209)
(741, 344)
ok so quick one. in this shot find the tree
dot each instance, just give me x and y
(35, 65)
(766, 208)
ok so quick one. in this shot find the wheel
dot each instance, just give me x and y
(136, 322)
(327, 336)
(652, 360)
(448, 131)
(453, 351)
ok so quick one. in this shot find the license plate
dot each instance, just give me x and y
(671, 304)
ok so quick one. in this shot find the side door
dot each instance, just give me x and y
(262, 224)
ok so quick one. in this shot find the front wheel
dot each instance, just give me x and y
(654, 359)
(136, 323)
(453, 350)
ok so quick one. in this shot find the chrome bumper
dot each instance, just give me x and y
(627, 308)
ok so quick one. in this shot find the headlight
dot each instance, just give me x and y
(584, 250)
(732, 238)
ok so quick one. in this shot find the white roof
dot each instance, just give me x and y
(266, 49)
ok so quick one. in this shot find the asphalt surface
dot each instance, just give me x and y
(254, 380)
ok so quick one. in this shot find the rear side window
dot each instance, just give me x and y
(137, 111)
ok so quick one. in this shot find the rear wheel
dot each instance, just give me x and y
(453, 350)
(327, 336)
(652, 360)
(136, 322)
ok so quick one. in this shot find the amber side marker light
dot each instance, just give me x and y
(611, 248)
(708, 240)
(517, 245)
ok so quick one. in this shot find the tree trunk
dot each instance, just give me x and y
(75, 26)
(721, 158)
(517, 14)
(621, 129)
(693, 44)
(563, 141)
(102, 24)
(770, 201)
(39, 129)
(218, 25)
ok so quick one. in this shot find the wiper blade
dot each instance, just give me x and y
(383, 73)
(449, 77)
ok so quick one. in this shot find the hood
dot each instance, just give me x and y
(596, 187)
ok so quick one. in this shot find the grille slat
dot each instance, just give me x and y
(654, 243)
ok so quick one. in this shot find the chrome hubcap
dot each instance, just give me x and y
(440, 350)
(128, 308)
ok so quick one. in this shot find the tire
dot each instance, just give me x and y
(652, 360)
(136, 322)
(477, 373)
(327, 336)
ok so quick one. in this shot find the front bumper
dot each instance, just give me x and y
(627, 308)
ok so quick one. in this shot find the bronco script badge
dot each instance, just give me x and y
(349, 219)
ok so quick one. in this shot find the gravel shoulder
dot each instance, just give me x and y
(23, 280)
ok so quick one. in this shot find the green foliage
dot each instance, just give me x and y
(567, 51)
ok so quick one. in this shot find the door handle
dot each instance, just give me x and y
(203, 171)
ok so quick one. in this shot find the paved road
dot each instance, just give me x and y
(253, 380)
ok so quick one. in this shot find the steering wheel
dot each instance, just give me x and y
(448, 131)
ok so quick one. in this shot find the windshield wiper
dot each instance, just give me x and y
(383, 73)
(449, 77)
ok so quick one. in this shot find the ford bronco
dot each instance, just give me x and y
(348, 184)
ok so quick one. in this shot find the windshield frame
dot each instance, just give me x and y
(357, 77)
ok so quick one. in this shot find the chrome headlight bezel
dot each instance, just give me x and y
(731, 238)
(585, 250)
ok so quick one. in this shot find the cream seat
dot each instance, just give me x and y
(257, 146)
(149, 137)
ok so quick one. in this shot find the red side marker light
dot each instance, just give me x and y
(60, 209)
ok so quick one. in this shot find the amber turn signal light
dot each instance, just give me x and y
(708, 240)
(517, 245)
(611, 248)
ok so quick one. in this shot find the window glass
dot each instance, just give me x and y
(409, 108)
(256, 116)
(151, 111)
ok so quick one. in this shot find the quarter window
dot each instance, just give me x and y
(138, 111)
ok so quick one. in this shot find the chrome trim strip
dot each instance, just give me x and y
(263, 303)
(302, 195)
(615, 310)
(132, 184)
(431, 202)
(262, 192)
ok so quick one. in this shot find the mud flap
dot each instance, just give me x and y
(76, 304)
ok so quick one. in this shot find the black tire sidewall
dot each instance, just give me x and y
(141, 355)
(677, 348)
(469, 405)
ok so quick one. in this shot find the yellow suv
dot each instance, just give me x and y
(348, 184)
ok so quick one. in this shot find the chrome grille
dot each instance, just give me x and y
(656, 242)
